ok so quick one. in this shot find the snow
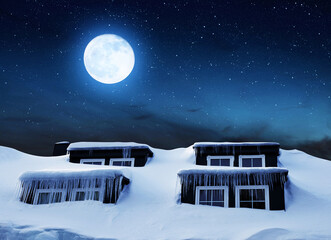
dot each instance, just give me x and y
(212, 144)
(74, 173)
(105, 145)
(148, 209)
(62, 142)
(231, 170)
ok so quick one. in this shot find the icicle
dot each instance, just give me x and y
(193, 179)
(126, 152)
(94, 188)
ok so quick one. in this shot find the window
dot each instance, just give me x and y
(252, 161)
(98, 161)
(220, 161)
(46, 196)
(212, 196)
(86, 194)
(252, 197)
(94, 191)
(127, 162)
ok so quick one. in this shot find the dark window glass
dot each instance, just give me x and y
(252, 198)
(43, 198)
(96, 163)
(126, 163)
(80, 196)
(257, 162)
(246, 204)
(225, 162)
(245, 195)
(96, 196)
(117, 163)
(218, 195)
(215, 162)
(57, 197)
(258, 194)
(246, 162)
(122, 163)
(212, 197)
(259, 205)
(203, 195)
(218, 204)
(88, 163)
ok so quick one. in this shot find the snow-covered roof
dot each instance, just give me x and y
(63, 142)
(213, 144)
(74, 173)
(105, 145)
(232, 170)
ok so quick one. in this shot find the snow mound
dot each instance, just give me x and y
(148, 207)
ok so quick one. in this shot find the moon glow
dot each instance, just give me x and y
(109, 58)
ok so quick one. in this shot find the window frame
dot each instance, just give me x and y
(86, 190)
(226, 193)
(262, 156)
(253, 187)
(51, 192)
(230, 157)
(83, 160)
(111, 160)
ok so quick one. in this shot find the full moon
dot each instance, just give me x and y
(109, 58)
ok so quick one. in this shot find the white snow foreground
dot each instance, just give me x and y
(148, 208)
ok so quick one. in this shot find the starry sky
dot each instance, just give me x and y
(204, 71)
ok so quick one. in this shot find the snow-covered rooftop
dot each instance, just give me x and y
(63, 142)
(212, 144)
(74, 173)
(105, 145)
(232, 170)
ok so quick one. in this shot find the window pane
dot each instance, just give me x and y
(57, 197)
(258, 194)
(203, 195)
(218, 204)
(80, 196)
(88, 163)
(208, 195)
(126, 163)
(246, 162)
(43, 198)
(96, 163)
(218, 195)
(122, 163)
(245, 195)
(257, 162)
(205, 203)
(96, 196)
(259, 205)
(117, 163)
(215, 162)
(225, 162)
(246, 204)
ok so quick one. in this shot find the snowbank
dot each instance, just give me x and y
(148, 205)
(105, 145)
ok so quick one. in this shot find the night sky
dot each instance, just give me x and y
(204, 71)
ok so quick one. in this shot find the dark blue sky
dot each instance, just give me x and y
(205, 71)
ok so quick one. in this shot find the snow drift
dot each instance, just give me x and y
(147, 208)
